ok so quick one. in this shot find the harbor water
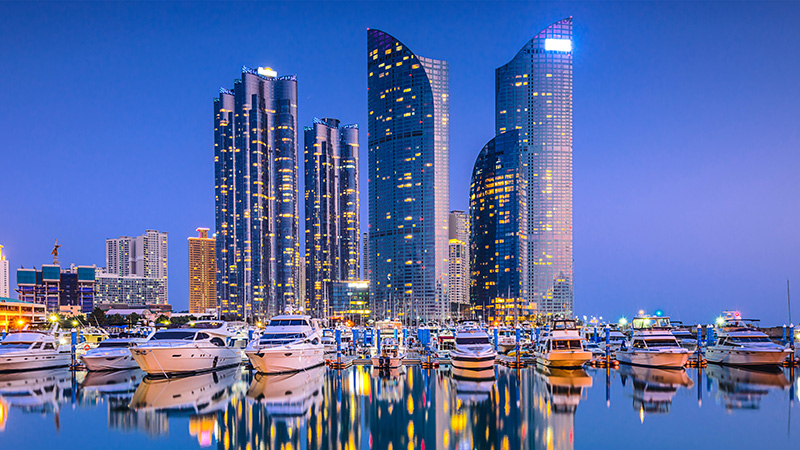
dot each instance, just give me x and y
(410, 408)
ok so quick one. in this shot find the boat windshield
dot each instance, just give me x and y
(106, 344)
(174, 335)
(570, 344)
(287, 322)
(282, 336)
(472, 340)
(745, 339)
(662, 343)
(15, 345)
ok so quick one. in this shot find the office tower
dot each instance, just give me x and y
(4, 276)
(255, 168)
(534, 96)
(202, 273)
(136, 270)
(497, 231)
(458, 263)
(55, 287)
(332, 209)
(301, 285)
(408, 179)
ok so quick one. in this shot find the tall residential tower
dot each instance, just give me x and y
(255, 168)
(407, 97)
(332, 210)
(202, 273)
(534, 96)
(4, 276)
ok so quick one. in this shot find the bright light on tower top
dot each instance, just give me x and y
(267, 72)
(559, 45)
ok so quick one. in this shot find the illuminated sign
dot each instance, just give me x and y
(559, 45)
(267, 72)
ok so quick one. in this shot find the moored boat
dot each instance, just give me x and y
(652, 344)
(740, 343)
(473, 351)
(32, 350)
(288, 344)
(562, 346)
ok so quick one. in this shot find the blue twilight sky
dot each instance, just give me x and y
(686, 132)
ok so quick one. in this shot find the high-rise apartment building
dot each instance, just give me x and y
(136, 270)
(202, 273)
(458, 263)
(534, 96)
(408, 179)
(365, 255)
(5, 281)
(332, 210)
(255, 168)
(497, 231)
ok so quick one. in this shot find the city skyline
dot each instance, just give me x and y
(665, 163)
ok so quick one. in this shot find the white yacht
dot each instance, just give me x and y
(562, 346)
(739, 343)
(288, 344)
(389, 356)
(112, 354)
(32, 350)
(196, 347)
(506, 339)
(472, 350)
(652, 344)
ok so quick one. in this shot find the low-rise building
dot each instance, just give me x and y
(15, 313)
(54, 287)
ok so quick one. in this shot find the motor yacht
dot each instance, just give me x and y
(472, 350)
(32, 350)
(562, 346)
(686, 339)
(112, 354)
(739, 343)
(389, 356)
(652, 344)
(446, 343)
(288, 343)
(196, 347)
(506, 339)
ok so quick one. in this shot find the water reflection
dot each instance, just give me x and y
(739, 388)
(362, 408)
(653, 388)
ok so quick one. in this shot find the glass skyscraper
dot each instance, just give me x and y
(534, 96)
(408, 179)
(332, 211)
(255, 162)
(497, 208)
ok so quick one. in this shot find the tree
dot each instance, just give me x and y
(97, 317)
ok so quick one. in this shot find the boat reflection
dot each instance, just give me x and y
(117, 384)
(563, 388)
(38, 392)
(288, 396)
(653, 388)
(743, 388)
(557, 393)
(198, 394)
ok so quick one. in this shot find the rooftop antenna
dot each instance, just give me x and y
(55, 252)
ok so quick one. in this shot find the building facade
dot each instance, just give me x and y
(408, 179)
(534, 96)
(497, 231)
(349, 301)
(458, 263)
(331, 210)
(256, 207)
(53, 287)
(5, 278)
(129, 290)
(365, 269)
(17, 314)
(202, 272)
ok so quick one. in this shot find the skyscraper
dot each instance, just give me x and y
(255, 168)
(332, 210)
(365, 255)
(497, 231)
(136, 270)
(408, 179)
(458, 263)
(202, 272)
(534, 96)
(4, 276)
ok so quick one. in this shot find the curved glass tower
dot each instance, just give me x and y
(497, 233)
(408, 180)
(534, 96)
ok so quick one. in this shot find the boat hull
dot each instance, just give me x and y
(23, 362)
(386, 362)
(669, 360)
(163, 361)
(117, 361)
(746, 357)
(567, 359)
(283, 360)
(471, 362)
